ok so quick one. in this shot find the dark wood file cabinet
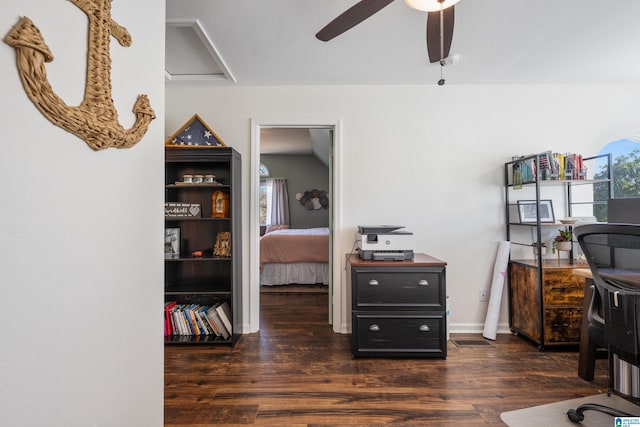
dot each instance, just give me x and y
(398, 307)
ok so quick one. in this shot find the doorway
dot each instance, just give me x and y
(335, 297)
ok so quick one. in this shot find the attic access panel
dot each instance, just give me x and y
(195, 133)
(191, 55)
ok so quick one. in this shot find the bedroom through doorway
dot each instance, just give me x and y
(293, 215)
(294, 203)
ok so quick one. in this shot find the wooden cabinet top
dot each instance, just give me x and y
(419, 260)
(549, 263)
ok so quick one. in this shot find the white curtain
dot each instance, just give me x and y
(279, 202)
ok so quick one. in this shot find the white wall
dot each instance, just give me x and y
(434, 157)
(81, 258)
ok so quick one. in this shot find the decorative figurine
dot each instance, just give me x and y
(220, 204)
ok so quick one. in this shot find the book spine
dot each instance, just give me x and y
(201, 325)
(192, 320)
(218, 322)
(185, 320)
(225, 315)
(167, 317)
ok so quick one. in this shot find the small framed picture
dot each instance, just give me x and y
(171, 242)
(527, 211)
(223, 244)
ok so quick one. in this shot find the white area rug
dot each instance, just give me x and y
(555, 414)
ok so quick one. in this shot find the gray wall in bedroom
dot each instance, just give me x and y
(303, 173)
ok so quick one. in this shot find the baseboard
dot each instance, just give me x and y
(454, 328)
(476, 328)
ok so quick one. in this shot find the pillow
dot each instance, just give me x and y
(275, 227)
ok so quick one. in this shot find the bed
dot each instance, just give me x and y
(295, 256)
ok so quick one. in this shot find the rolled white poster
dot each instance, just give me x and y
(497, 284)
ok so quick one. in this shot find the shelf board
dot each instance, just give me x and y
(542, 224)
(560, 182)
(196, 339)
(207, 185)
(201, 290)
(198, 259)
(193, 218)
(552, 263)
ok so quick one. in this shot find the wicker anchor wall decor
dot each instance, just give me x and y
(95, 120)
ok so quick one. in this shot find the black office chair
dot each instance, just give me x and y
(613, 254)
(592, 344)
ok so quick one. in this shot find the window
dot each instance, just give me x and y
(265, 198)
(625, 167)
(265, 194)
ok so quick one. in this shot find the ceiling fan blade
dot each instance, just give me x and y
(350, 18)
(438, 52)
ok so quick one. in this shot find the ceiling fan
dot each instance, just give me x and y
(440, 16)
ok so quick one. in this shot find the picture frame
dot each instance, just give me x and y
(223, 244)
(172, 242)
(195, 133)
(527, 211)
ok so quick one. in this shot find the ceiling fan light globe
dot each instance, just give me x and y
(430, 5)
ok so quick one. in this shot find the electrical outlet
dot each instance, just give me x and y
(484, 295)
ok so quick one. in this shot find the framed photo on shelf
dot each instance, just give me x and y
(171, 242)
(223, 244)
(527, 211)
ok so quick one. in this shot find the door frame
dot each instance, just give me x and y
(338, 294)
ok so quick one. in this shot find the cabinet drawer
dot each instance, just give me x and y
(562, 287)
(410, 334)
(382, 289)
(562, 325)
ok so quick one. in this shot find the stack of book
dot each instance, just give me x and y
(195, 319)
(552, 166)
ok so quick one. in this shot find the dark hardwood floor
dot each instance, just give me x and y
(297, 372)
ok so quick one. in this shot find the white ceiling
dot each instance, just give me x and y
(272, 42)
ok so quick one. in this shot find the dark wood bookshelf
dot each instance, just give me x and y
(207, 279)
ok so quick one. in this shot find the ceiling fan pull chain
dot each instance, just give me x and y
(441, 34)
(441, 81)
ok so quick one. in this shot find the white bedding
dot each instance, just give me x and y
(301, 273)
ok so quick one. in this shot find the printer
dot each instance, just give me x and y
(385, 242)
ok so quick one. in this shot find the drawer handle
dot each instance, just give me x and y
(374, 328)
(560, 325)
(424, 328)
(373, 282)
(423, 282)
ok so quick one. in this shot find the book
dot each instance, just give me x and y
(225, 315)
(172, 318)
(192, 319)
(202, 312)
(177, 321)
(167, 317)
(569, 165)
(186, 330)
(199, 321)
(215, 318)
(210, 322)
